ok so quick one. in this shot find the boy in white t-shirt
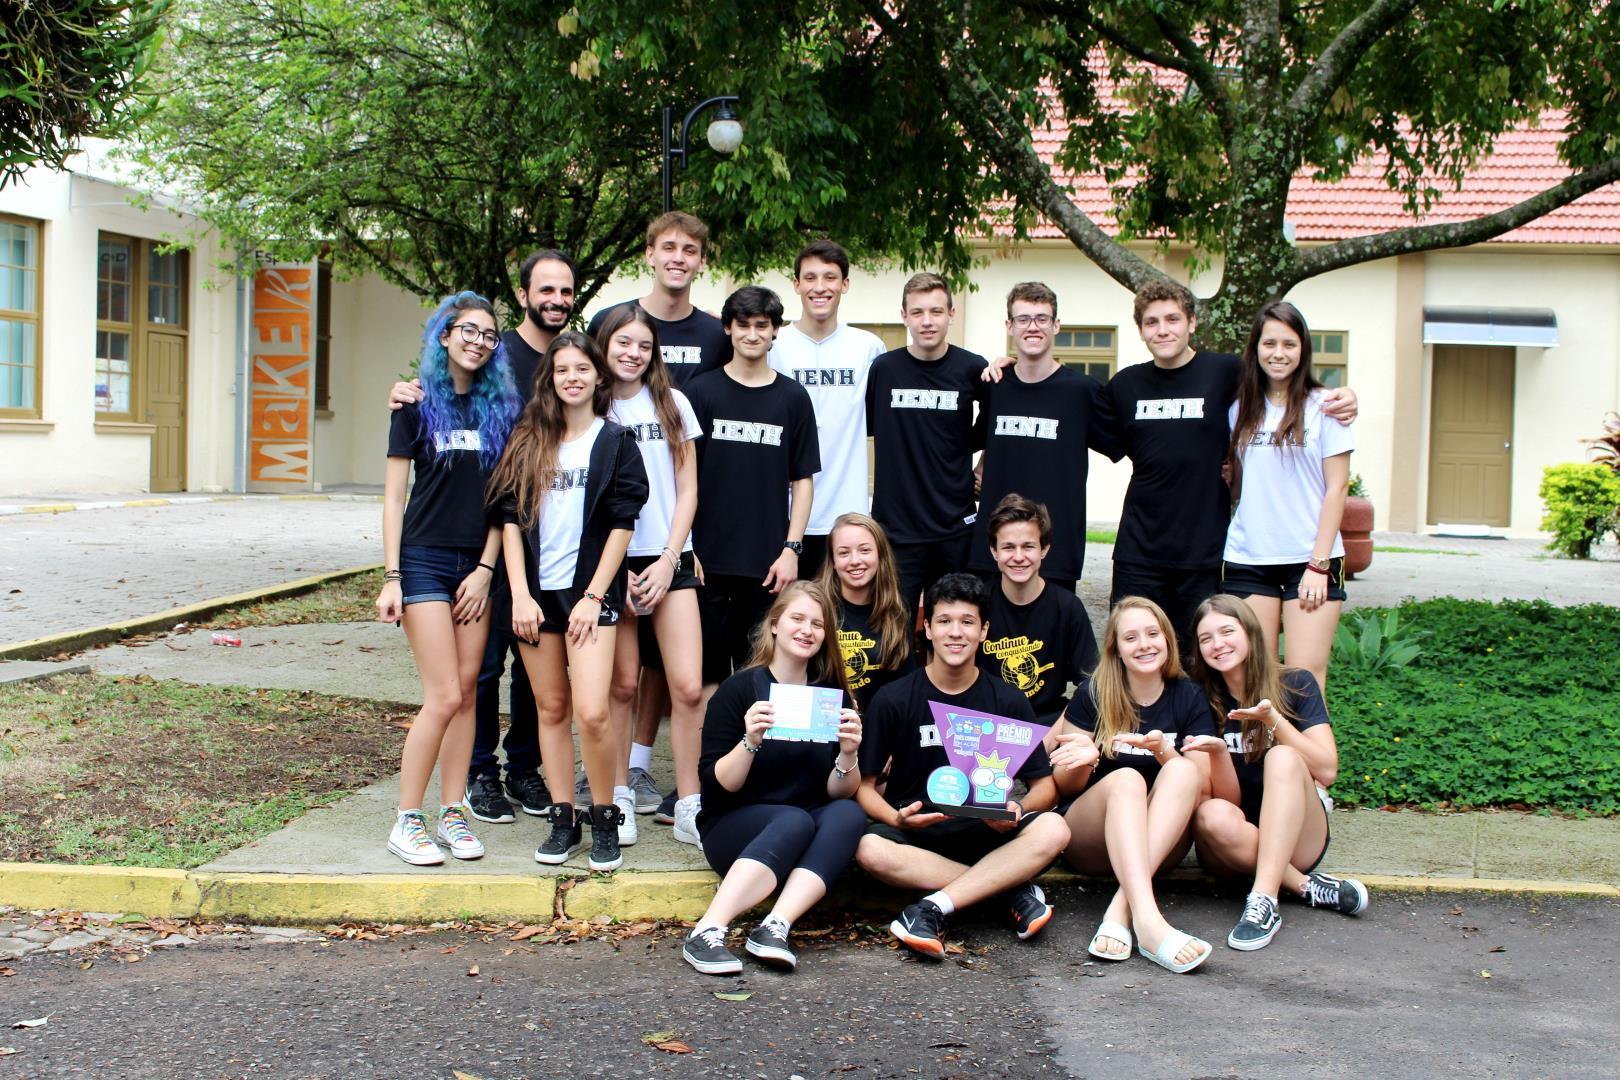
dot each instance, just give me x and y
(830, 360)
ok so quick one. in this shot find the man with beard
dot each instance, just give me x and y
(546, 295)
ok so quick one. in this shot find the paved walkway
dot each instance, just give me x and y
(70, 571)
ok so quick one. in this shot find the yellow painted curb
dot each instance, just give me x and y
(74, 640)
(310, 899)
(626, 897)
(1389, 883)
(49, 508)
(166, 894)
(136, 503)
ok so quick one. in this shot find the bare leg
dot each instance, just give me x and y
(651, 706)
(626, 673)
(802, 890)
(904, 866)
(590, 671)
(547, 665)
(680, 640)
(1310, 636)
(455, 752)
(1292, 828)
(747, 883)
(432, 635)
(1170, 805)
(1268, 609)
(1014, 863)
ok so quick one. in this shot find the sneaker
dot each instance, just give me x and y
(769, 942)
(605, 854)
(582, 788)
(706, 950)
(1029, 910)
(528, 790)
(485, 801)
(665, 814)
(921, 928)
(411, 842)
(454, 833)
(1258, 926)
(628, 833)
(647, 795)
(1344, 895)
(566, 837)
(686, 814)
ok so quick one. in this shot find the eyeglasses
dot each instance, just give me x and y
(1039, 322)
(472, 333)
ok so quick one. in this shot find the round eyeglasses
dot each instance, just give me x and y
(472, 334)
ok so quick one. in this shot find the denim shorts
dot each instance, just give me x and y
(428, 574)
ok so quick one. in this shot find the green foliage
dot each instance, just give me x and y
(69, 69)
(1511, 704)
(1583, 505)
(1605, 449)
(1367, 643)
(1358, 487)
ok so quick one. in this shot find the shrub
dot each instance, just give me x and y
(1605, 449)
(1583, 505)
(1510, 704)
(1366, 642)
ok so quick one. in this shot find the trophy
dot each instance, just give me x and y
(985, 753)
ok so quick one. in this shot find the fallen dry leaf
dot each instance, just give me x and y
(743, 996)
(673, 1047)
(7, 972)
(473, 971)
(7, 1051)
(653, 1038)
(41, 1022)
(1484, 974)
(459, 1075)
(1498, 948)
(528, 932)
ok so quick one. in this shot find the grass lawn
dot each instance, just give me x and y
(1101, 536)
(1514, 704)
(141, 773)
(349, 599)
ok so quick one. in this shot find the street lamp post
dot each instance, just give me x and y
(725, 135)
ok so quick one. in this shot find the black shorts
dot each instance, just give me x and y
(730, 609)
(1279, 581)
(557, 604)
(685, 569)
(963, 840)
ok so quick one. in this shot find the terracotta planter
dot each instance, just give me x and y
(1356, 529)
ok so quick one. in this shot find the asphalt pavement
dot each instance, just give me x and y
(1456, 986)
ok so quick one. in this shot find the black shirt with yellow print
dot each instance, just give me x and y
(1039, 648)
(862, 646)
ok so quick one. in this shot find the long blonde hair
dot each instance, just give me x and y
(1117, 712)
(888, 613)
(529, 466)
(1262, 675)
(827, 669)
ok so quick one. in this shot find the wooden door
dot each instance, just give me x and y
(1471, 435)
(166, 408)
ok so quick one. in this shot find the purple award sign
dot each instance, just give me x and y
(985, 751)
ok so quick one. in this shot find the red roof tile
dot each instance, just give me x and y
(1525, 161)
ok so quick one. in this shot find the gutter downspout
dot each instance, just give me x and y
(244, 360)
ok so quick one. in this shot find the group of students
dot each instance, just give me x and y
(666, 514)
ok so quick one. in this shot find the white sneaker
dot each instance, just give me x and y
(686, 813)
(455, 834)
(410, 841)
(628, 833)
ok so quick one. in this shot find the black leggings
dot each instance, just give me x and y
(786, 838)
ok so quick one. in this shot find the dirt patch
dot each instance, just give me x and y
(349, 599)
(144, 773)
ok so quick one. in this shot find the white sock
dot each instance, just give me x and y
(781, 924)
(941, 901)
(621, 791)
(704, 924)
(640, 756)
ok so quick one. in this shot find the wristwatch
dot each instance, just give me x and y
(794, 546)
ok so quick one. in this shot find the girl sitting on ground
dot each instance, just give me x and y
(439, 558)
(571, 484)
(1269, 815)
(874, 632)
(776, 814)
(1133, 792)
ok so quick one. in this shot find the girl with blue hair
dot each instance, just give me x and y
(439, 555)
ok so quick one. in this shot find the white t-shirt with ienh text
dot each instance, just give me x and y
(562, 512)
(1283, 488)
(640, 415)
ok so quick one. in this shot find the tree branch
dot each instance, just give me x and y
(1204, 75)
(1340, 58)
(1003, 139)
(1408, 241)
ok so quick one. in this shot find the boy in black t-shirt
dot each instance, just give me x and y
(960, 860)
(1038, 424)
(690, 340)
(1040, 637)
(1169, 418)
(759, 448)
(920, 413)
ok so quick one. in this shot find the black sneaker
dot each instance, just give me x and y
(1258, 926)
(605, 854)
(566, 836)
(486, 802)
(1344, 895)
(706, 950)
(921, 928)
(769, 942)
(665, 814)
(529, 791)
(1027, 907)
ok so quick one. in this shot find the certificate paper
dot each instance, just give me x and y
(804, 713)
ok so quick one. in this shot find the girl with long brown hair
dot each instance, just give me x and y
(776, 814)
(1290, 474)
(661, 577)
(1118, 757)
(874, 631)
(1269, 813)
(571, 485)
